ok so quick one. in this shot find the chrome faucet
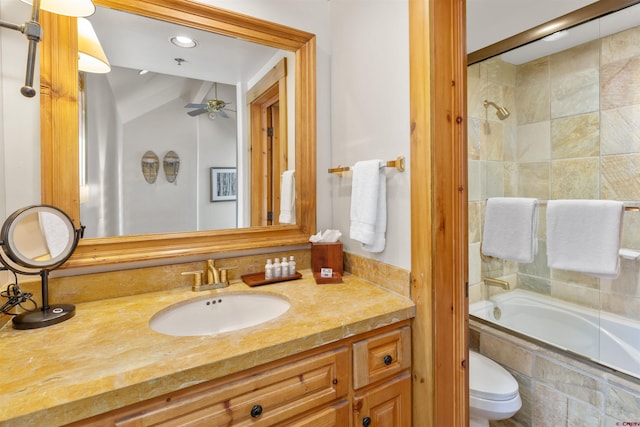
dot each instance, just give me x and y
(214, 279)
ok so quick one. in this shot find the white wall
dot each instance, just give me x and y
(370, 113)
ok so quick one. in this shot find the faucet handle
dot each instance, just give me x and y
(197, 276)
(223, 273)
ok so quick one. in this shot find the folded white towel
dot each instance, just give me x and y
(287, 198)
(369, 205)
(585, 236)
(510, 228)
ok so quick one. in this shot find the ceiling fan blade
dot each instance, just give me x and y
(222, 114)
(197, 112)
(195, 106)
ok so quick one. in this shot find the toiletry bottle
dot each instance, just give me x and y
(277, 268)
(292, 266)
(268, 270)
(285, 266)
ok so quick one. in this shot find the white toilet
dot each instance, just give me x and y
(493, 392)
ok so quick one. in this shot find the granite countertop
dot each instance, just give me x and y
(106, 356)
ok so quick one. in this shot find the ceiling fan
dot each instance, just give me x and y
(212, 106)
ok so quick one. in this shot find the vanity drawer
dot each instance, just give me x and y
(381, 356)
(267, 398)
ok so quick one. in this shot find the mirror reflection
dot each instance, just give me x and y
(165, 98)
(571, 134)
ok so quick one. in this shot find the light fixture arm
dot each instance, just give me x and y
(33, 31)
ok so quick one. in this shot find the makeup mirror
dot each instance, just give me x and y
(36, 240)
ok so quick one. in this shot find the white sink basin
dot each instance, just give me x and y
(217, 314)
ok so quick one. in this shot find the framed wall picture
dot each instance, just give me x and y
(224, 184)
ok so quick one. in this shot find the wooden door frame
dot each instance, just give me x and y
(270, 89)
(439, 212)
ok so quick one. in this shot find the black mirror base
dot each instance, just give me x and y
(54, 314)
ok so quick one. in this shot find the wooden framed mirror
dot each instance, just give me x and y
(59, 134)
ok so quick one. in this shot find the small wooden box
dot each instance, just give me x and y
(327, 255)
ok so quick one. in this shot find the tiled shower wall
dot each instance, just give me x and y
(573, 133)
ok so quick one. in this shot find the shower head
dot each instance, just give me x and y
(501, 112)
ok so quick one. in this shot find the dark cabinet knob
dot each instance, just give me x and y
(387, 360)
(256, 411)
(366, 422)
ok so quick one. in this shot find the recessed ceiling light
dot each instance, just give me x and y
(555, 36)
(183, 41)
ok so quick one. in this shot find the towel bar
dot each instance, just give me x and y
(397, 163)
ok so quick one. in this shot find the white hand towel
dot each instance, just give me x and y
(369, 205)
(287, 198)
(510, 228)
(585, 236)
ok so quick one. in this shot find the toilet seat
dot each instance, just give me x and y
(490, 381)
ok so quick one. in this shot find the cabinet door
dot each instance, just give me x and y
(334, 416)
(388, 405)
(381, 357)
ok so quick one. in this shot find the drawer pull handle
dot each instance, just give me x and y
(256, 411)
(387, 360)
(366, 422)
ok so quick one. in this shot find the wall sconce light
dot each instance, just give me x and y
(91, 56)
(33, 30)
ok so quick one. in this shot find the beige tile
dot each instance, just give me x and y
(620, 83)
(622, 45)
(533, 73)
(532, 103)
(534, 142)
(495, 179)
(576, 294)
(500, 71)
(571, 61)
(491, 147)
(475, 220)
(475, 264)
(533, 180)
(510, 179)
(621, 177)
(475, 128)
(550, 407)
(630, 234)
(476, 180)
(575, 93)
(569, 381)
(574, 277)
(575, 136)
(622, 404)
(622, 305)
(575, 178)
(507, 354)
(620, 130)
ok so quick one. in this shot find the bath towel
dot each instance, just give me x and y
(287, 198)
(585, 236)
(510, 228)
(369, 205)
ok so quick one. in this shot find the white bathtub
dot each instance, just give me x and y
(611, 340)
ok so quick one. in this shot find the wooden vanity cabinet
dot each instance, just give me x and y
(314, 389)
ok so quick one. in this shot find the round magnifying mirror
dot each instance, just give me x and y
(35, 240)
(38, 237)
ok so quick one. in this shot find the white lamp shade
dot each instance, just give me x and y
(91, 57)
(67, 7)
